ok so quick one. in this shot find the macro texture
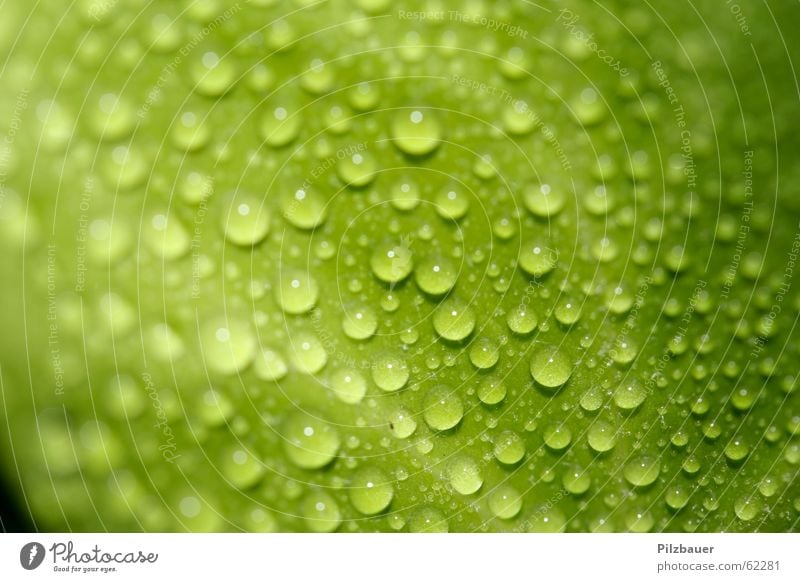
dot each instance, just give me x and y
(362, 265)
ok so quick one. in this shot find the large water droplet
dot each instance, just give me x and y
(428, 520)
(542, 201)
(391, 262)
(557, 436)
(454, 320)
(436, 275)
(349, 385)
(307, 353)
(304, 208)
(550, 366)
(229, 346)
(452, 203)
(359, 322)
(390, 372)
(270, 365)
(321, 512)
(464, 475)
(642, 471)
(241, 468)
(522, 320)
(509, 448)
(601, 436)
(277, 127)
(371, 491)
(296, 292)
(484, 353)
(492, 391)
(309, 442)
(246, 220)
(442, 408)
(357, 170)
(505, 502)
(416, 132)
(536, 258)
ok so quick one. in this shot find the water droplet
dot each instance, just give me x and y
(309, 442)
(639, 521)
(126, 400)
(576, 481)
(359, 322)
(167, 237)
(744, 398)
(747, 508)
(509, 448)
(405, 195)
(196, 188)
(691, 465)
(357, 170)
(464, 474)
(451, 204)
(597, 201)
(492, 391)
(307, 354)
(505, 502)
(768, 487)
(189, 132)
(390, 372)
(213, 74)
(454, 320)
(484, 353)
(371, 491)
(319, 77)
(518, 119)
(550, 366)
(522, 320)
(163, 34)
(391, 262)
(536, 258)
(567, 312)
(363, 96)
(246, 220)
(711, 430)
(229, 346)
(542, 201)
(277, 127)
(546, 519)
(114, 119)
(241, 468)
(601, 436)
(642, 471)
(629, 396)
(442, 408)
(736, 450)
(216, 409)
(348, 385)
(296, 292)
(402, 424)
(428, 520)
(677, 497)
(304, 208)
(436, 275)
(416, 132)
(270, 365)
(592, 399)
(321, 512)
(557, 436)
(504, 228)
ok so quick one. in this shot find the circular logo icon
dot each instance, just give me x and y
(31, 555)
